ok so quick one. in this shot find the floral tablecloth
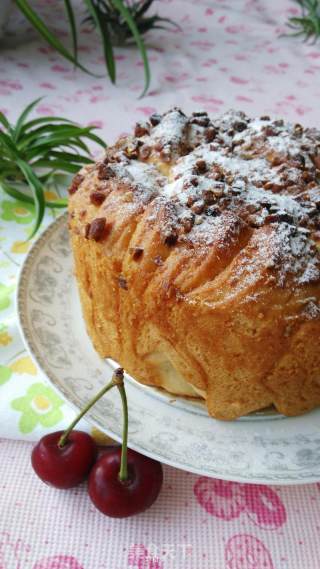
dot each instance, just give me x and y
(227, 54)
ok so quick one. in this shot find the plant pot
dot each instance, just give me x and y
(6, 6)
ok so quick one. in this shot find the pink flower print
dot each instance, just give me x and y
(244, 551)
(97, 124)
(203, 45)
(263, 506)
(59, 68)
(147, 111)
(140, 558)
(49, 109)
(47, 85)
(12, 85)
(137, 552)
(238, 80)
(236, 29)
(301, 110)
(219, 498)
(204, 100)
(243, 99)
(58, 562)
(314, 55)
(12, 552)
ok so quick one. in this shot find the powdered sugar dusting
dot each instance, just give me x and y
(226, 176)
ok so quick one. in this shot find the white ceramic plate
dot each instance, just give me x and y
(261, 448)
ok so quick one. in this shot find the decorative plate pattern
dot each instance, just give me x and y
(257, 449)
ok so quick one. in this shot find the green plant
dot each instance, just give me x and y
(117, 26)
(115, 21)
(32, 151)
(308, 24)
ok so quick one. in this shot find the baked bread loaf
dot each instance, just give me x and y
(196, 247)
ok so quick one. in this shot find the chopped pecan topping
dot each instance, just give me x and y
(132, 151)
(191, 199)
(155, 119)
(213, 211)
(265, 118)
(140, 130)
(316, 161)
(239, 126)
(122, 281)
(218, 189)
(171, 239)
(210, 134)
(158, 260)
(254, 221)
(187, 222)
(209, 196)
(198, 207)
(77, 180)
(269, 131)
(158, 146)
(97, 198)
(298, 129)
(278, 217)
(200, 114)
(307, 176)
(145, 152)
(136, 252)
(165, 154)
(105, 172)
(96, 230)
(201, 121)
(277, 160)
(200, 167)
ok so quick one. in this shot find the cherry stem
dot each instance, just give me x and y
(118, 373)
(123, 473)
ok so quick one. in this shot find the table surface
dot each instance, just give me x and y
(226, 55)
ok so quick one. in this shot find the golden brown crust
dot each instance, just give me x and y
(196, 252)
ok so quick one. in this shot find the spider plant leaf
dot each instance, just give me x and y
(43, 120)
(107, 45)
(44, 31)
(21, 119)
(74, 158)
(7, 145)
(61, 165)
(37, 191)
(15, 193)
(4, 121)
(48, 132)
(73, 27)
(45, 148)
(142, 8)
(125, 13)
(59, 203)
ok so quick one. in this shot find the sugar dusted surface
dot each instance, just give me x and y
(216, 178)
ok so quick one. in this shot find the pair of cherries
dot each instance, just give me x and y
(121, 482)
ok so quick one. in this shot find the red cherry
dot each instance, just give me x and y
(66, 466)
(122, 499)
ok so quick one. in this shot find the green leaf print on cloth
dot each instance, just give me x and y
(5, 291)
(5, 374)
(40, 405)
(20, 212)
